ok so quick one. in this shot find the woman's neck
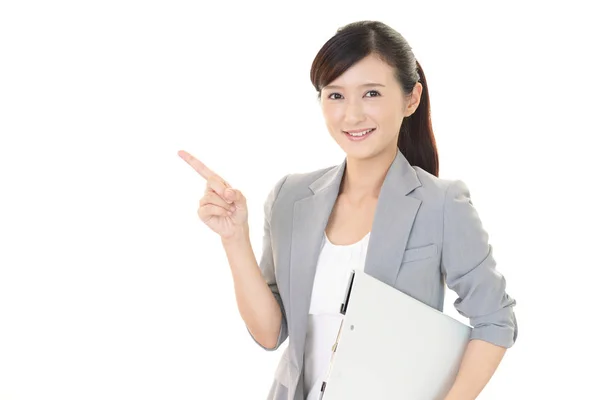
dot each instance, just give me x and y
(363, 178)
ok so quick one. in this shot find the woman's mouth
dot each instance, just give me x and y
(357, 135)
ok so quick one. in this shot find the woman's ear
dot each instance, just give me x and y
(414, 99)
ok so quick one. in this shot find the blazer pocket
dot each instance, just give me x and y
(420, 253)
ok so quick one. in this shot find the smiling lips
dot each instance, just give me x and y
(358, 134)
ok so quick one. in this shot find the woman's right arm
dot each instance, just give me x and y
(224, 210)
(256, 292)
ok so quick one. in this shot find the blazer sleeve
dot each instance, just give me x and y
(470, 270)
(267, 263)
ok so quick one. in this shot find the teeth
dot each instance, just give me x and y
(360, 133)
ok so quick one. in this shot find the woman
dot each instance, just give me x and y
(383, 209)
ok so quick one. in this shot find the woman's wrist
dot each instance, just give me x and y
(239, 237)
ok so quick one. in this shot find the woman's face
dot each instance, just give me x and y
(364, 108)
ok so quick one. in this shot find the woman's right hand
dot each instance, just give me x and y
(222, 208)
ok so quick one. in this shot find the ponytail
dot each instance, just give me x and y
(416, 140)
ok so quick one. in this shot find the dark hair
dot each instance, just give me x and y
(357, 40)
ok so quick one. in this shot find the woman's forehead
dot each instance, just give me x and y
(368, 71)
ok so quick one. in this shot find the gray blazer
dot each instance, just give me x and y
(426, 234)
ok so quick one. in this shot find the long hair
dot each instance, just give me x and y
(357, 40)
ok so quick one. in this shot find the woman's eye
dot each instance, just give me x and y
(370, 93)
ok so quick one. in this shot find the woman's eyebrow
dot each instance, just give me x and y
(363, 85)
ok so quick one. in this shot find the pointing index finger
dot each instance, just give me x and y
(198, 165)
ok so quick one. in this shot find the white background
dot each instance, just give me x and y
(111, 287)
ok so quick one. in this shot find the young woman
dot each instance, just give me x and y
(383, 210)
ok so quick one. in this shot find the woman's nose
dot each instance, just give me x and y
(354, 113)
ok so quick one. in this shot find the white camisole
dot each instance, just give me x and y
(331, 281)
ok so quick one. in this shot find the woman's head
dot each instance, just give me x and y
(368, 78)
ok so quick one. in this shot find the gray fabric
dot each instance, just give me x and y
(426, 234)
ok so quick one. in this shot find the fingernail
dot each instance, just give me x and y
(229, 193)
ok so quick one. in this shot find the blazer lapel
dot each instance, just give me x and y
(394, 217)
(393, 221)
(311, 216)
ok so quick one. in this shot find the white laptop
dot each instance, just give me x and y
(392, 346)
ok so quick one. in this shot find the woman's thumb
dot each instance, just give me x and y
(235, 196)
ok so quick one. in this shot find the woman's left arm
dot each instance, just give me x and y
(478, 365)
(470, 270)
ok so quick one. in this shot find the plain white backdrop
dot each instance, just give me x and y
(111, 287)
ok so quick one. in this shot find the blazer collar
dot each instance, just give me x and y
(400, 175)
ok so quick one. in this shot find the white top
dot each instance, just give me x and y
(334, 266)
